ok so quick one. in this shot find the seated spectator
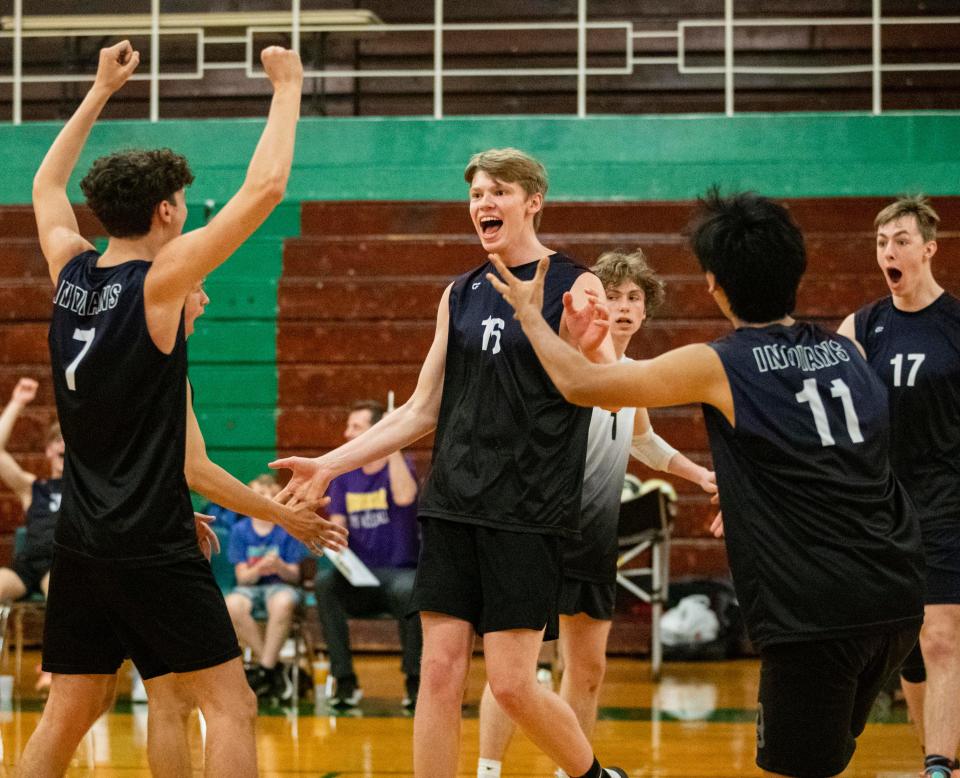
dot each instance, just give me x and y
(40, 497)
(267, 563)
(265, 485)
(378, 505)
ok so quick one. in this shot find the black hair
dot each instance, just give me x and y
(755, 251)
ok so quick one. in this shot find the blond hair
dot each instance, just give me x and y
(53, 434)
(917, 206)
(514, 167)
(615, 267)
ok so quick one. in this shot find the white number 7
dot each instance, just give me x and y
(86, 337)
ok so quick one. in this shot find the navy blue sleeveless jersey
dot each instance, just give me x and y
(508, 450)
(122, 409)
(822, 541)
(917, 356)
(41, 519)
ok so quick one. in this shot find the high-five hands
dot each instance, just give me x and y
(116, 65)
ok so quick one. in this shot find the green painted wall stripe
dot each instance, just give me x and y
(248, 385)
(241, 426)
(603, 157)
(233, 341)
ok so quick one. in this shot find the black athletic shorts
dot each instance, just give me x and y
(31, 572)
(815, 697)
(941, 554)
(495, 579)
(170, 617)
(596, 600)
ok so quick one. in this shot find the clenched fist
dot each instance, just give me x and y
(282, 66)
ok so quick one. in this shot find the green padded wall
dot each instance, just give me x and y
(603, 158)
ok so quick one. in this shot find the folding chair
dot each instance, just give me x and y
(646, 518)
(33, 606)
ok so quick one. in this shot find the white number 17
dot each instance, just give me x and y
(85, 337)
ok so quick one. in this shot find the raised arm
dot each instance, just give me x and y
(403, 486)
(216, 484)
(15, 477)
(408, 423)
(60, 238)
(187, 259)
(690, 374)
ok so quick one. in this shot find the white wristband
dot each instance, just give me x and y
(652, 450)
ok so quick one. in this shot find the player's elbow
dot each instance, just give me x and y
(196, 472)
(404, 499)
(270, 189)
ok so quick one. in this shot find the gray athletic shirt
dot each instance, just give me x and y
(594, 556)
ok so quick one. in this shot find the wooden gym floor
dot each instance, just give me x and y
(697, 723)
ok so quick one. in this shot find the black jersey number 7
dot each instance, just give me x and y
(85, 337)
(838, 389)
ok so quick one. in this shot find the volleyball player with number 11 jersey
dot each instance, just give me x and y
(822, 542)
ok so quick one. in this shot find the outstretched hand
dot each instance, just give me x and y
(307, 485)
(588, 326)
(524, 296)
(116, 65)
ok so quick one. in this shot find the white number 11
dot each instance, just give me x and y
(838, 388)
(86, 337)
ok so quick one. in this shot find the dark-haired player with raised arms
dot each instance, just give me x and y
(912, 341)
(128, 577)
(823, 544)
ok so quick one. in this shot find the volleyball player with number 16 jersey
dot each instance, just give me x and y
(822, 541)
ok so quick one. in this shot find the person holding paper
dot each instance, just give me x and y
(378, 505)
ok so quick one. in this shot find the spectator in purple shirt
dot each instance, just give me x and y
(378, 505)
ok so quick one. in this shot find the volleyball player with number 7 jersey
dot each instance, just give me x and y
(822, 541)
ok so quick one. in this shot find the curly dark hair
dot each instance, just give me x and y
(123, 188)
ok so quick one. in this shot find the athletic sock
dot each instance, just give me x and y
(488, 768)
(595, 771)
(937, 766)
